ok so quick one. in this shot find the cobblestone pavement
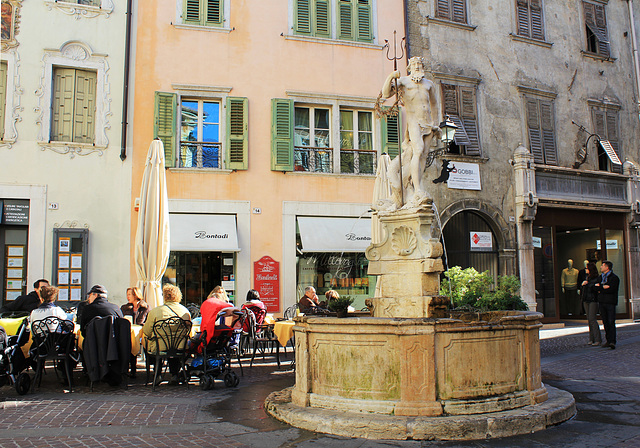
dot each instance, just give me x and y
(605, 384)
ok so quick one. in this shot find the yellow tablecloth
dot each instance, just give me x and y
(11, 324)
(283, 331)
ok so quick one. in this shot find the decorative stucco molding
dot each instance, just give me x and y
(80, 11)
(77, 55)
(68, 224)
(14, 93)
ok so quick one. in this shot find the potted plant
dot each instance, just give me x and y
(340, 305)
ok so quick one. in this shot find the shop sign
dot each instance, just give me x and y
(203, 232)
(464, 176)
(611, 244)
(266, 281)
(481, 240)
(537, 242)
(15, 213)
(321, 234)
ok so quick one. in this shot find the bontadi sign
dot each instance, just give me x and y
(266, 281)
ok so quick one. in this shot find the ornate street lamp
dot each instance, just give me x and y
(448, 129)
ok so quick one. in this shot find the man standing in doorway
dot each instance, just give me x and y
(607, 288)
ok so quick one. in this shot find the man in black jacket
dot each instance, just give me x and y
(28, 302)
(607, 287)
(97, 305)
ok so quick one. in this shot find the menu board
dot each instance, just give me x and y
(15, 272)
(70, 270)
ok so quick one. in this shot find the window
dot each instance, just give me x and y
(460, 104)
(453, 10)
(210, 136)
(541, 126)
(203, 12)
(605, 123)
(73, 107)
(3, 96)
(357, 155)
(529, 19)
(328, 138)
(596, 29)
(354, 19)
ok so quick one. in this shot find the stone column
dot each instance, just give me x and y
(526, 206)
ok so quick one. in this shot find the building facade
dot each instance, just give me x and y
(266, 113)
(545, 95)
(64, 190)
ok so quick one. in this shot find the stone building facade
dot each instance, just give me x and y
(529, 83)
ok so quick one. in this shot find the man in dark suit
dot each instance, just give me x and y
(97, 305)
(28, 302)
(607, 287)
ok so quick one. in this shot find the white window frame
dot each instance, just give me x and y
(224, 28)
(312, 135)
(199, 125)
(74, 9)
(13, 96)
(76, 55)
(356, 135)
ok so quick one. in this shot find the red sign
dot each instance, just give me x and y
(266, 281)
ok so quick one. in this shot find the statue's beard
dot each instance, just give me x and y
(417, 77)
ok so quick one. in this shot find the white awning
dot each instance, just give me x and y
(203, 232)
(334, 234)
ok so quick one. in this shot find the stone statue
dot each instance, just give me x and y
(422, 115)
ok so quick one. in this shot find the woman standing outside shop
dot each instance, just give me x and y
(590, 301)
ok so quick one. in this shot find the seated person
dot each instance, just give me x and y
(171, 308)
(28, 302)
(136, 307)
(309, 302)
(97, 306)
(48, 308)
(256, 305)
(209, 311)
(330, 295)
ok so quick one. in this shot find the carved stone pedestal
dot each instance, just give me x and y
(408, 265)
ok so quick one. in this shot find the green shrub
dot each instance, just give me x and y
(339, 304)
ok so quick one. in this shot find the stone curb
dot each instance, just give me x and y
(559, 407)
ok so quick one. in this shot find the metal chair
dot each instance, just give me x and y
(194, 310)
(54, 339)
(291, 312)
(262, 338)
(170, 336)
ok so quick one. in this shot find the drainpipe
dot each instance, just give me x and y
(125, 94)
(406, 30)
(634, 43)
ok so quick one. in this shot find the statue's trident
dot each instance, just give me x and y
(395, 59)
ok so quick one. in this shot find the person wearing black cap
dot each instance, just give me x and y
(97, 306)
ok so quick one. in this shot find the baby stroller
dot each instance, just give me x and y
(213, 360)
(12, 360)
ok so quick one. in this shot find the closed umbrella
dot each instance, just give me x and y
(152, 235)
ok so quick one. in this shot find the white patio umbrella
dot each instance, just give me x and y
(152, 235)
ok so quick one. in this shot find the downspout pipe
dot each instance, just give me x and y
(406, 31)
(636, 61)
(125, 94)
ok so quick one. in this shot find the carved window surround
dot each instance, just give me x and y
(14, 92)
(456, 79)
(537, 92)
(604, 103)
(528, 40)
(462, 26)
(79, 11)
(76, 55)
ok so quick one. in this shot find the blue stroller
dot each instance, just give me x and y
(12, 361)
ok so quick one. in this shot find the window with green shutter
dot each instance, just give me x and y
(541, 127)
(281, 134)
(164, 125)
(391, 130)
(3, 96)
(529, 19)
(73, 107)
(203, 12)
(237, 134)
(596, 29)
(354, 19)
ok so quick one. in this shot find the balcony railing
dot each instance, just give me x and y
(357, 161)
(200, 155)
(317, 160)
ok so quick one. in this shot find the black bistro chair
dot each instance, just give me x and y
(170, 336)
(53, 339)
(261, 338)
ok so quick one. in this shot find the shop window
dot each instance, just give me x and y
(354, 19)
(605, 123)
(596, 29)
(204, 141)
(357, 155)
(203, 12)
(470, 242)
(529, 19)
(460, 104)
(73, 109)
(452, 10)
(541, 126)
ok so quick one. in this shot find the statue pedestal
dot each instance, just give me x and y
(408, 265)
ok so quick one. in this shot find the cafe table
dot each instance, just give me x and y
(284, 331)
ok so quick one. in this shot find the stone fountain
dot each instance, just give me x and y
(411, 370)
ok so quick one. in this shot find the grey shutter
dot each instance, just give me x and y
(469, 119)
(537, 27)
(547, 125)
(443, 10)
(611, 120)
(450, 99)
(459, 11)
(533, 124)
(460, 137)
(601, 25)
(522, 16)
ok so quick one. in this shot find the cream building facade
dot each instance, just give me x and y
(63, 186)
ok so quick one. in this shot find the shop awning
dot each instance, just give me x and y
(203, 232)
(334, 234)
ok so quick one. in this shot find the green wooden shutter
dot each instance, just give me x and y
(213, 12)
(165, 124)
(84, 112)
(237, 134)
(192, 12)
(282, 135)
(345, 19)
(469, 119)
(364, 21)
(303, 17)
(322, 18)
(533, 124)
(391, 135)
(547, 127)
(537, 26)
(3, 96)
(64, 80)
(522, 16)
